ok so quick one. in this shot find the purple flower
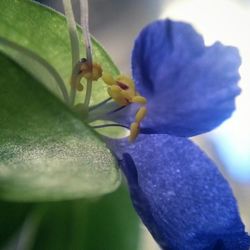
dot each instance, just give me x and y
(176, 189)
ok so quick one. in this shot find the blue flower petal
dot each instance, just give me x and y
(180, 195)
(191, 88)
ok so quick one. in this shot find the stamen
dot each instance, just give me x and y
(140, 115)
(115, 89)
(139, 99)
(75, 50)
(122, 90)
(84, 9)
(115, 92)
(108, 79)
(134, 131)
(126, 79)
(96, 72)
(87, 41)
(127, 95)
(90, 72)
(120, 100)
(122, 85)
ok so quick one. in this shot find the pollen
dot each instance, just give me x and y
(122, 90)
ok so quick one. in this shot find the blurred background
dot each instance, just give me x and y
(116, 23)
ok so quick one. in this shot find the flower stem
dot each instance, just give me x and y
(88, 46)
(75, 50)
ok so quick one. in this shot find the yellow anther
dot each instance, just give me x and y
(115, 92)
(134, 131)
(84, 66)
(139, 99)
(115, 89)
(127, 80)
(132, 92)
(141, 113)
(87, 75)
(121, 100)
(127, 94)
(96, 72)
(91, 72)
(123, 92)
(108, 79)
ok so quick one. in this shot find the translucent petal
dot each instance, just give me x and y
(180, 195)
(190, 88)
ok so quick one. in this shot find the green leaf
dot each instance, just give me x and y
(108, 223)
(37, 66)
(47, 153)
(44, 32)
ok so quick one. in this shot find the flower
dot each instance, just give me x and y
(175, 188)
(189, 89)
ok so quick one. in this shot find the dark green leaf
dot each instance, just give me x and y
(12, 215)
(108, 223)
(46, 152)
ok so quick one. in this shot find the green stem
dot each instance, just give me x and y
(75, 49)
(87, 41)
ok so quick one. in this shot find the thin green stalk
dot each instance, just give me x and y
(87, 41)
(75, 49)
(84, 7)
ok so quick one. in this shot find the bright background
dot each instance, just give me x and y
(115, 23)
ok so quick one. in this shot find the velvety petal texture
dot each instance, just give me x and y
(190, 88)
(180, 195)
